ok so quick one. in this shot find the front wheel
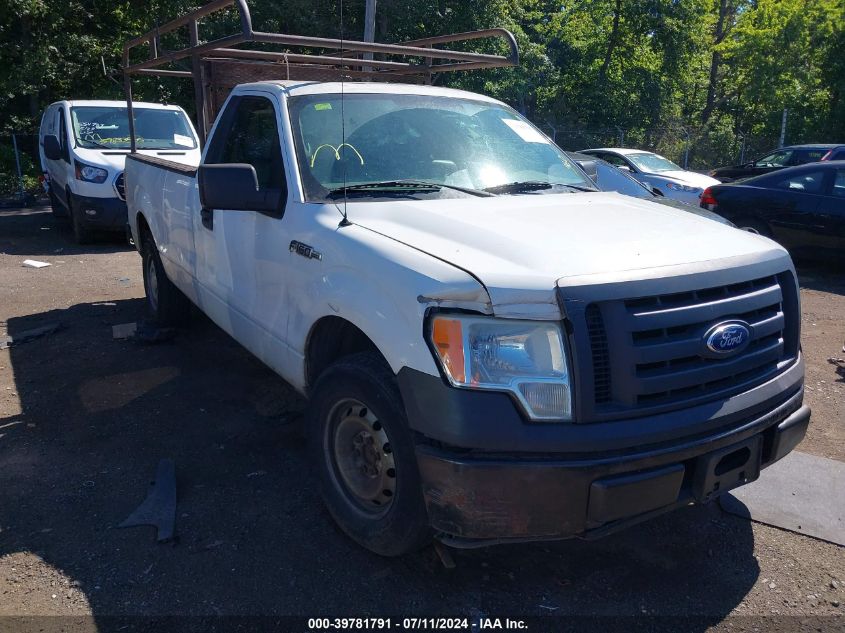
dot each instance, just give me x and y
(364, 453)
(81, 233)
(55, 206)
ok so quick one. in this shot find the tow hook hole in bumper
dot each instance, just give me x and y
(732, 461)
(724, 470)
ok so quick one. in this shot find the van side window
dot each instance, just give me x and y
(253, 138)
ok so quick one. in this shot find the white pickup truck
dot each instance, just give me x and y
(493, 350)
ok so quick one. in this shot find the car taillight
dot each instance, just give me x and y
(707, 197)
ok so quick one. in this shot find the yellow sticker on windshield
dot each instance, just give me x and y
(322, 106)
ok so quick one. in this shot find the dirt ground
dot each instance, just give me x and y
(84, 420)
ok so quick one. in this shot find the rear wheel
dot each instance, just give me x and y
(362, 447)
(166, 303)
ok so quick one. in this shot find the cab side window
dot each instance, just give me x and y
(250, 135)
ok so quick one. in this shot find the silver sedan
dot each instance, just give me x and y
(656, 171)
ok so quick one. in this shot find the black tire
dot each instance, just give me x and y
(387, 525)
(56, 207)
(166, 303)
(81, 233)
(753, 225)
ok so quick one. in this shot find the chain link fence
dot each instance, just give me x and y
(697, 150)
(20, 169)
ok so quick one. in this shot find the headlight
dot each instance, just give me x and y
(89, 173)
(525, 358)
(674, 186)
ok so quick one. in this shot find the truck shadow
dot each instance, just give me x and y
(34, 231)
(96, 416)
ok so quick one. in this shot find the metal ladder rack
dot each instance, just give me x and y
(217, 66)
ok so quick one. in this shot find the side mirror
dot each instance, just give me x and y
(624, 168)
(52, 147)
(235, 186)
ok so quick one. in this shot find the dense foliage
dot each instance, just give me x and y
(697, 75)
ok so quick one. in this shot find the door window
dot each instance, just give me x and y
(805, 182)
(616, 161)
(839, 184)
(253, 138)
(808, 156)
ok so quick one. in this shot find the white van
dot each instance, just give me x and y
(83, 146)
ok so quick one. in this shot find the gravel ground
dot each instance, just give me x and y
(84, 419)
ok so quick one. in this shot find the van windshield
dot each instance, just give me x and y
(107, 127)
(448, 141)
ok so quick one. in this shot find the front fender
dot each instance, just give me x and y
(383, 288)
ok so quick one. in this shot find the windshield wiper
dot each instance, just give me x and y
(98, 145)
(405, 185)
(531, 185)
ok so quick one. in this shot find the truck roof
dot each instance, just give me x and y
(115, 104)
(295, 88)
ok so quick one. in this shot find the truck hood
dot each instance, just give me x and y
(520, 247)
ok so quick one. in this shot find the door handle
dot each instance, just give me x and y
(207, 216)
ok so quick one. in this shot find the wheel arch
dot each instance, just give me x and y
(330, 339)
(142, 230)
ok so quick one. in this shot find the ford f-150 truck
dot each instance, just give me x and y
(492, 350)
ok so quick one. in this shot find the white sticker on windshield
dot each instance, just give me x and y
(525, 131)
(184, 141)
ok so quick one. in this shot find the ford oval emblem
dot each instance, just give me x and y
(729, 337)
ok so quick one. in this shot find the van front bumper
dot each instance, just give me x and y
(105, 214)
(475, 497)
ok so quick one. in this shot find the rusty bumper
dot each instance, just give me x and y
(475, 498)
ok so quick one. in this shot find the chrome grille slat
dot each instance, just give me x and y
(683, 315)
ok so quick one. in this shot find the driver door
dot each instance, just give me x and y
(242, 256)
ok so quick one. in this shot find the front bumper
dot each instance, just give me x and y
(107, 214)
(475, 497)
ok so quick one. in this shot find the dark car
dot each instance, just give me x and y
(837, 153)
(790, 156)
(610, 178)
(803, 208)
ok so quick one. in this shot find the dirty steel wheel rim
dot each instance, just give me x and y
(360, 457)
(152, 284)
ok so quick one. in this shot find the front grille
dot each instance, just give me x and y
(120, 186)
(646, 351)
(600, 353)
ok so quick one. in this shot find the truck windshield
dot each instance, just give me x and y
(378, 138)
(107, 127)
